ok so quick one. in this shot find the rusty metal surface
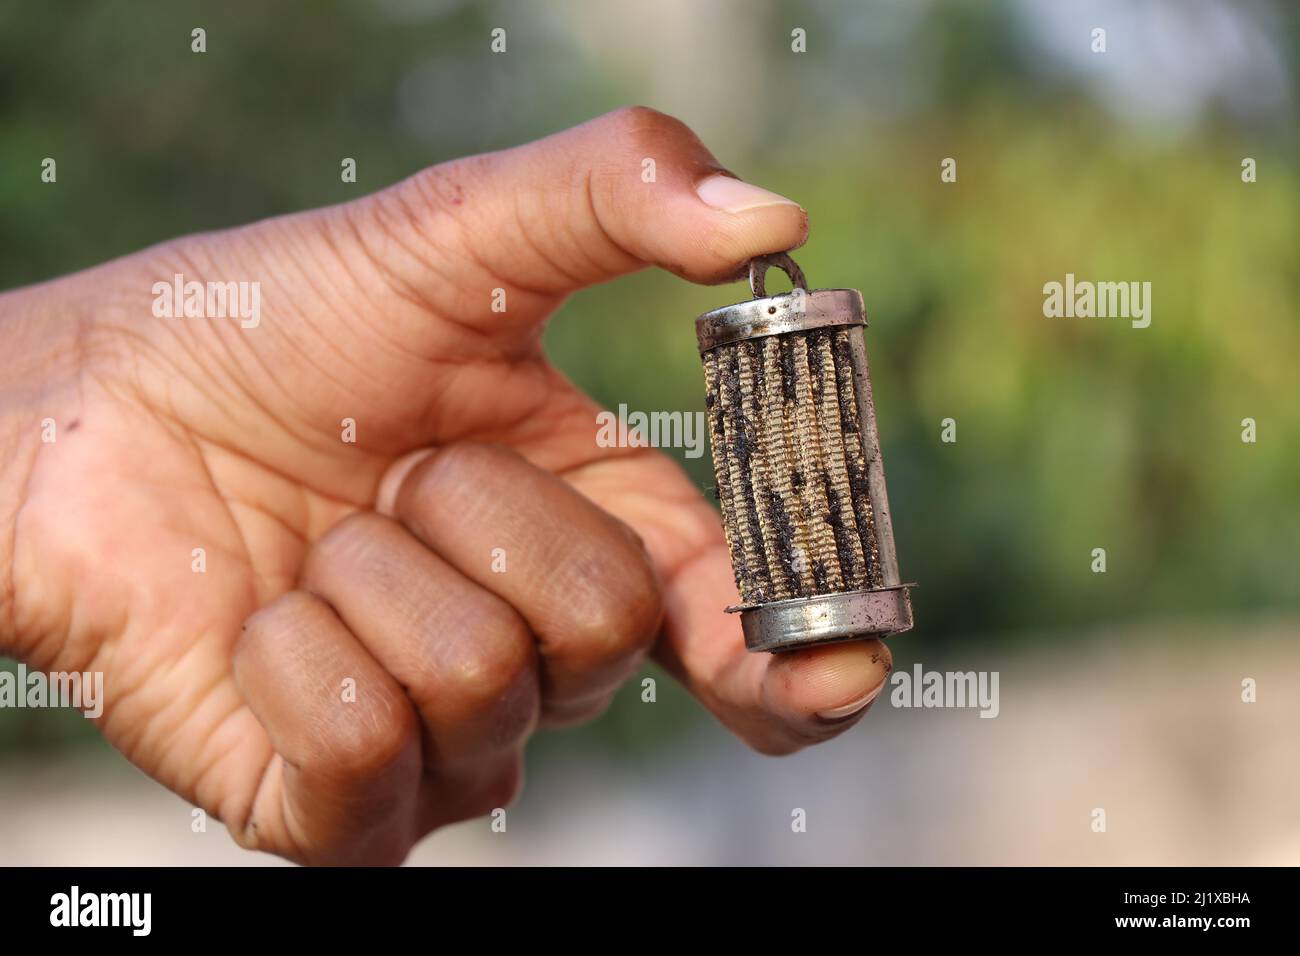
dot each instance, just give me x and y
(759, 265)
(779, 315)
(827, 619)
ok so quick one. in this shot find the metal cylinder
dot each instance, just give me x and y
(798, 469)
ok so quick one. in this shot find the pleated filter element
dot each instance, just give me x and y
(791, 470)
(797, 465)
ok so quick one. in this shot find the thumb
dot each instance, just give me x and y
(628, 189)
(350, 290)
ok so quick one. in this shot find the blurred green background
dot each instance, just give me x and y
(1073, 434)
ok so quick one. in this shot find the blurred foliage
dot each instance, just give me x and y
(1072, 433)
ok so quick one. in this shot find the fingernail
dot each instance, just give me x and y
(391, 483)
(733, 195)
(851, 708)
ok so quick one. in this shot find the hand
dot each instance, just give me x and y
(329, 564)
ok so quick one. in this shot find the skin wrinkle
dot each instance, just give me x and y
(262, 466)
(142, 353)
(430, 415)
(327, 221)
(280, 523)
(397, 289)
(538, 249)
(271, 583)
(205, 448)
(377, 331)
(266, 409)
(486, 336)
(301, 844)
(133, 738)
(218, 766)
(230, 384)
(134, 742)
(236, 374)
(413, 220)
(435, 253)
(550, 297)
(143, 349)
(25, 497)
(600, 459)
(163, 398)
(327, 302)
(170, 753)
(233, 524)
(216, 756)
(347, 215)
(196, 332)
(477, 170)
(194, 441)
(65, 631)
(550, 300)
(593, 212)
(304, 320)
(579, 185)
(10, 595)
(531, 415)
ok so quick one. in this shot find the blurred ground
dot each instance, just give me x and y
(1150, 727)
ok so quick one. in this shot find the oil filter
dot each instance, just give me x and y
(797, 464)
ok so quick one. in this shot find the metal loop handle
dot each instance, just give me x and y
(759, 265)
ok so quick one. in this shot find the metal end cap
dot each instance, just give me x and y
(794, 311)
(827, 619)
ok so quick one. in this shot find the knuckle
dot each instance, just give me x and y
(375, 734)
(616, 608)
(481, 671)
(643, 125)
